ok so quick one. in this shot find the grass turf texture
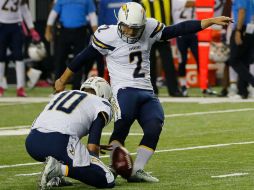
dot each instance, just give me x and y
(177, 170)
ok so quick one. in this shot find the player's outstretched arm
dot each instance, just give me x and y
(221, 20)
(192, 26)
(82, 58)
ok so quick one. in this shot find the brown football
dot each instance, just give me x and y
(122, 162)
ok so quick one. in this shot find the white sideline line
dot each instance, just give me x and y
(25, 100)
(230, 175)
(200, 100)
(157, 151)
(210, 112)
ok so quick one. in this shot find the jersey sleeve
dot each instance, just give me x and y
(26, 14)
(154, 29)
(102, 39)
(105, 109)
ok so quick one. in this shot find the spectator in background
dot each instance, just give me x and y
(11, 36)
(242, 43)
(73, 31)
(161, 10)
(185, 10)
(223, 7)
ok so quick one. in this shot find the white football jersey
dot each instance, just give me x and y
(11, 11)
(72, 113)
(180, 12)
(128, 64)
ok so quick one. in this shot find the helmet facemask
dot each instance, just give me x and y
(130, 34)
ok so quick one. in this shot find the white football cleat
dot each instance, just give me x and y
(142, 176)
(58, 182)
(232, 91)
(34, 76)
(51, 170)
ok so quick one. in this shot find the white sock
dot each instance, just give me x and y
(2, 69)
(182, 81)
(233, 86)
(65, 170)
(143, 156)
(233, 76)
(252, 69)
(20, 73)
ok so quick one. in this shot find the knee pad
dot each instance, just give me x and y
(152, 131)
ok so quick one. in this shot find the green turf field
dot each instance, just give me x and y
(195, 152)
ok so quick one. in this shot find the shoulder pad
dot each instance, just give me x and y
(105, 36)
(154, 26)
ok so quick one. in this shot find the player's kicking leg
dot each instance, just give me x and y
(151, 120)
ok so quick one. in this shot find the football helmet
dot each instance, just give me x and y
(99, 85)
(131, 22)
(219, 52)
(37, 51)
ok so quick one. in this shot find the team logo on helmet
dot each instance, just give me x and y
(126, 10)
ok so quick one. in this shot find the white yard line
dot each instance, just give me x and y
(15, 127)
(230, 175)
(24, 130)
(30, 174)
(15, 132)
(204, 100)
(210, 112)
(20, 165)
(157, 151)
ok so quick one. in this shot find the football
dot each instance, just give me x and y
(122, 162)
